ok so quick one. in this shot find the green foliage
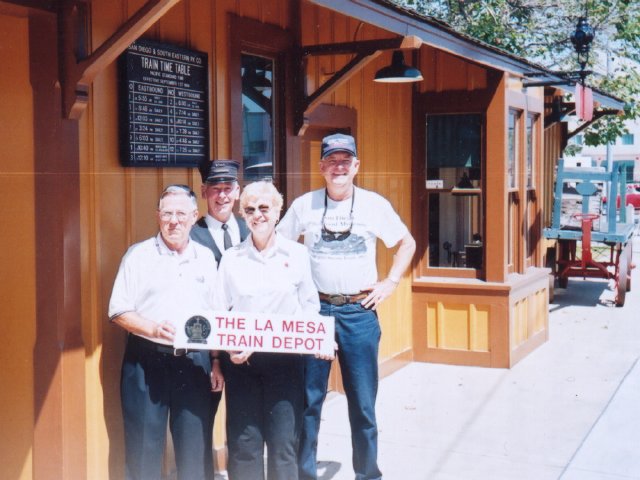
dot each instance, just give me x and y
(540, 30)
(572, 150)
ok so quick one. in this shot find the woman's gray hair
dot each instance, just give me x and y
(179, 189)
(258, 189)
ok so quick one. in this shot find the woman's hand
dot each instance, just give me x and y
(322, 356)
(240, 357)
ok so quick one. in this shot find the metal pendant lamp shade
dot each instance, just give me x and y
(398, 71)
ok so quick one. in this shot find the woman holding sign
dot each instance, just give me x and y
(266, 273)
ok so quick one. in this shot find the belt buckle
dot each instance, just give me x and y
(180, 352)
(339, 299)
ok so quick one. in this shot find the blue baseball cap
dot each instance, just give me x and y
(338, 142)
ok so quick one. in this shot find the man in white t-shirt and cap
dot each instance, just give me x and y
(340, 224)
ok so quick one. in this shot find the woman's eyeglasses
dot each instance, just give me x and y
(264, 209)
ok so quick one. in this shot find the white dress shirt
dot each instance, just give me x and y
(277, 280)
(215, 228)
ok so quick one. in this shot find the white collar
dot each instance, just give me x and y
(216, 224)
(163, 248)
(276, 248)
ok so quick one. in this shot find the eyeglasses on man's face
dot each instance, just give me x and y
(167, 215)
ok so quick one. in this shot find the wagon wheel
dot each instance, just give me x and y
(622, 282)
(552, 265)
(563, 282)
(629, 250)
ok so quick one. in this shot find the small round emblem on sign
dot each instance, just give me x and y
(197, 329)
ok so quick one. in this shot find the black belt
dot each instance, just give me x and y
(158, 347)
(339, 299)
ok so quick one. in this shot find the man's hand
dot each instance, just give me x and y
(378, 292)
(164, 331)
(217, 379)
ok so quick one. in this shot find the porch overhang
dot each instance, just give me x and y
(402, 21)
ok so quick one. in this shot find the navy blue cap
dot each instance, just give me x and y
(219, 171)
(338, 142)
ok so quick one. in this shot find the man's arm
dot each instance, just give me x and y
(289, 225)
(137, 324)
(401, 261)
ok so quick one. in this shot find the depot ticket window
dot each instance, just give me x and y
(454, 190)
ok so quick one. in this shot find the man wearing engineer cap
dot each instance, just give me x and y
(341, 224)
(219, 230)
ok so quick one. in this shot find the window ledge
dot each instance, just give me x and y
(465, 191)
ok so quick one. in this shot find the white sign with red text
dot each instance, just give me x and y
(257, 332)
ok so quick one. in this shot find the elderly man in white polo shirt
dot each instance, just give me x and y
(162, 281)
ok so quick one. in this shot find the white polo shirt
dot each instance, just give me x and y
(161, 285)
(277, 282)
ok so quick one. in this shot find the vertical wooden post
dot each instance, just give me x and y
(496, 184)
(59, 449)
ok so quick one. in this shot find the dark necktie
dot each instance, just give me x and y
(227, 236)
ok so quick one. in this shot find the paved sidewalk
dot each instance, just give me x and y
(570, 410)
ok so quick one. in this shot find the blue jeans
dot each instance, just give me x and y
(358, 337)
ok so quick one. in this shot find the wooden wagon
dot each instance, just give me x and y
(589, 228)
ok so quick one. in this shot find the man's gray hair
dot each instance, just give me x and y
(179, 189)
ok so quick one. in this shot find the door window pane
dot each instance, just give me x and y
(531, 124)
(512, 165)
(257, 118)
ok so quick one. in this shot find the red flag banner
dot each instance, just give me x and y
(584, 102)
(578, 98)
(587, 109)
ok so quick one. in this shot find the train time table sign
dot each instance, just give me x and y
(164, 106)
